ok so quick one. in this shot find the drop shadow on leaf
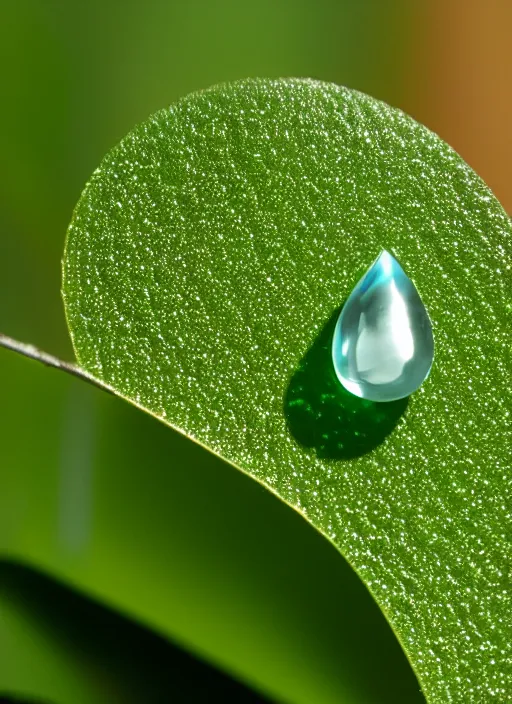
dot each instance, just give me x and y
(323, 416)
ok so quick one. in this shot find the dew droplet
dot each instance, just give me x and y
(383, 346)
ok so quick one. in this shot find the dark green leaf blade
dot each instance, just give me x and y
(58, 646)
(133, 514)
(203, 262)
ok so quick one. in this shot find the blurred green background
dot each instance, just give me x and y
(101, 498)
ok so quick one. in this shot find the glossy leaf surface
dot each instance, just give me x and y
(205, 264)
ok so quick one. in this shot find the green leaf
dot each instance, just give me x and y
(133, 514)
(204, 266)
(58, 646)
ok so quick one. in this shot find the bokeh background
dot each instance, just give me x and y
(91, 493)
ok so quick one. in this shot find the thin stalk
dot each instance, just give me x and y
(49, 360)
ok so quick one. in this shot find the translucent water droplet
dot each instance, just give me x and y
(383, 346)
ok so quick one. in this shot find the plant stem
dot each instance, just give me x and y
(49, 360)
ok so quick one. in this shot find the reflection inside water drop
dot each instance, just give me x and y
(383, 347)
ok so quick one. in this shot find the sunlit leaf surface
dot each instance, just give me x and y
(204, 267)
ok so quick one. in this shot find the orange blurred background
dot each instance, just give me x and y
(461, 83)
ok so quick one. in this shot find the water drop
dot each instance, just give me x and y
(383, 346)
